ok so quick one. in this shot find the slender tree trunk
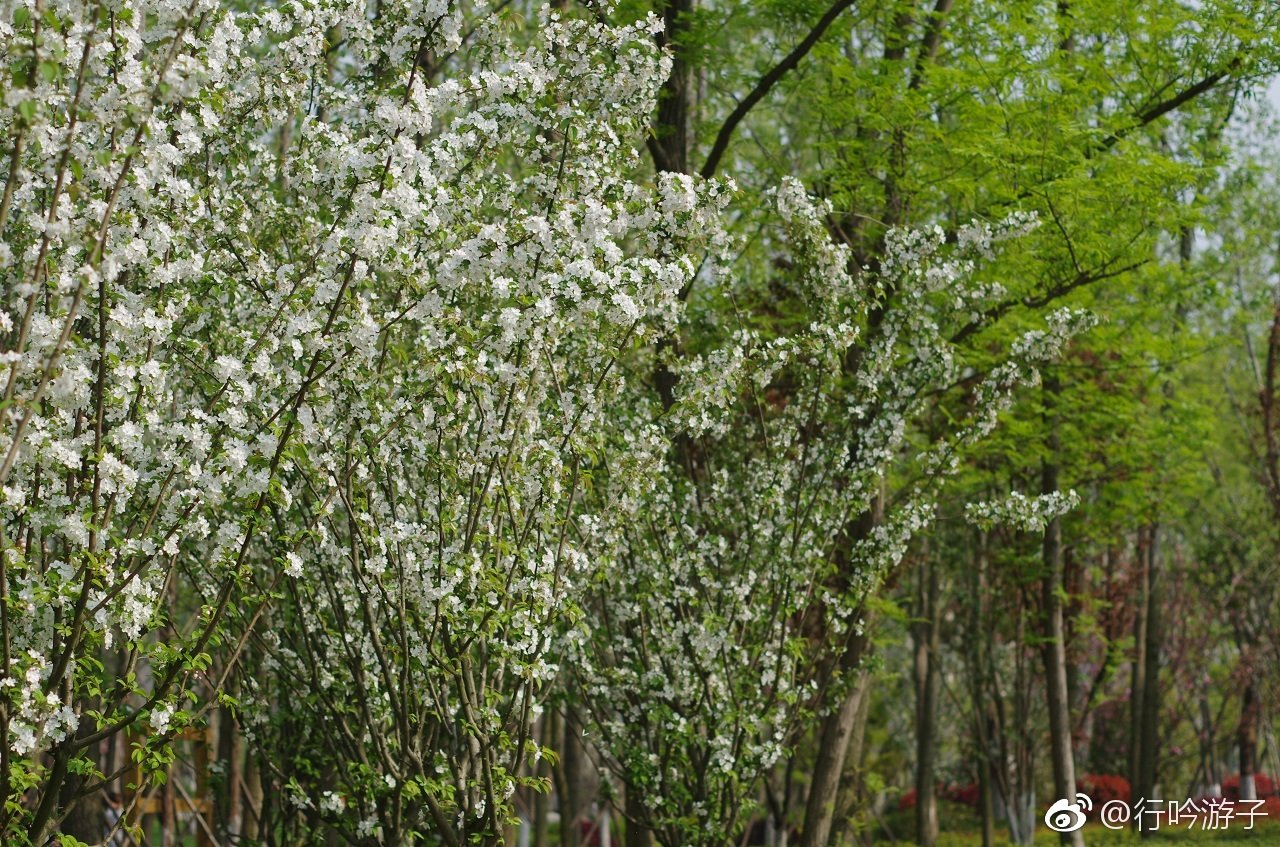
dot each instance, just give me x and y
(1146, 785)
(604, 822)
(84, 819)
(986, 807)
(229, 800)
(1072, 581)
(838, 725)
(253, 799)
(1020, 804)
(833, 744)
(169, 813)
(926, 639)
(979, 636)
(1054, 650)
(567, 787)
(1138, 674)
(844, 827)
(1212, 772)
(235, 776)
(1247, 739)
(549, 729)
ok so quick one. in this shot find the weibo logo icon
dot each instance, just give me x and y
(1065, 816)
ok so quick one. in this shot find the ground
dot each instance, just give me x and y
(960, 828)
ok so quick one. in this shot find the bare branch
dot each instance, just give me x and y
(766, 84)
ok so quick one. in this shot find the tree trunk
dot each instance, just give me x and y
(567, 787)
(833, 743)
(636, 835)
(1146, 785)
(254, 797)
(670, 142)
(1247, 738)
(1138, 676)
(926, 637)
(838, 725)
(229, 798)
(85, 818)
(979, 636)
(1208, 751)
(1054, 650)
(169, 812)
(549, 728)
(986, 807)
(844, 827)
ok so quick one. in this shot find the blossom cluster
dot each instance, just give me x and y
(733, 576)
(312, 314)
(328, 341)
(1023, 513)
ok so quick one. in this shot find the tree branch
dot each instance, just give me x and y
(766, 84)
(929, 43)
(1038, 301)
(1164, 107)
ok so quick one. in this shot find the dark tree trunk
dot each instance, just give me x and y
(1138, 678)
(85, 820)
(636, 835)
(986, 806)
(570, 765)
(229, 802)
(1247, 739)
(670, 142)
(926, 637)
(1146, 784)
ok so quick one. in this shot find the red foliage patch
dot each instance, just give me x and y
(964, 793)
(1102, 788)
(1263, 784)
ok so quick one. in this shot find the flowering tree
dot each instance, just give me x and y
(319, 305)
(442, 524)
(728, 589)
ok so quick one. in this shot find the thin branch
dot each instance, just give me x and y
(1164, 107)
(766, 84)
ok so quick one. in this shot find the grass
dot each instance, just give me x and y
(961, 828)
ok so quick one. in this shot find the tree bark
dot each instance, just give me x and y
(986, 806)
(253, 796)
(570, 765)
(1146, 784)
(229, 798)
(549, 726)
(1138, 676)
(670, 142)
(1054, 650)
(926, 637)
(84, 817)
(844, 829)
(979, 673)
(833, 744)
(838, 725)
(1208, 751)
(169, 812)
(636, 834)
(1247, 739)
